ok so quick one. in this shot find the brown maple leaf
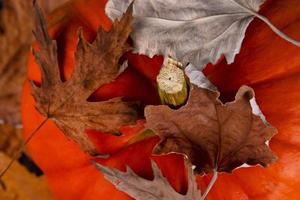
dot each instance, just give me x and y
(96, 64)
(215, 136)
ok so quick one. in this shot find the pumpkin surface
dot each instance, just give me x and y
(267, 63)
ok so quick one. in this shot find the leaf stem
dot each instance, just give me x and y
(210, 185)
(18, 153)
(277, 31)
(267, 21)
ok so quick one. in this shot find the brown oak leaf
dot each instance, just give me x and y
(15, 38)
(156, 189)
(215, 136)
(15, 25)
(96, 64)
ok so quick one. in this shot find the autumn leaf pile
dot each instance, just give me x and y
(213, 136)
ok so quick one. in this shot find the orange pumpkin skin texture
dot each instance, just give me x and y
(267, 63)
(272, 67)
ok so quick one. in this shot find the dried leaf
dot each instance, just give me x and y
(212, 134)
(21, 184)
(196, 31)
(16, 25)
(156, 189)
(96, 64)
(15, 39)
(15, 28)
(11, 82)
(10, 139)
(197, 77)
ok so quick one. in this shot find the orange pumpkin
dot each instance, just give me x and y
(267, 63)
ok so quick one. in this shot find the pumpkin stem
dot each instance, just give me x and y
(18, 153)
(172, 83)
(210, 185)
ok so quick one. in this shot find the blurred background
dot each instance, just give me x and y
(24, 180)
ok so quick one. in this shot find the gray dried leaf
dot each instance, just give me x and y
(196, 31)
(198, 78)
(156, 189)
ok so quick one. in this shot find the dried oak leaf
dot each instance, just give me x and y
(15, 38)
(21, 184)
(11, 82)
(96, 64)
(215, 136)
(156, 189)
(15, 24)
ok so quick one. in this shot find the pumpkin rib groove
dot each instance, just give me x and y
(276, 78)
(249, 193)
(284, 142)
(273, 177)
(262, 83)
(95, 10)
(234, 180)
(85, 22)
(149, 82)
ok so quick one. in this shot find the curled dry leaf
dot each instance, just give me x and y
(21, 184)
(96, 64)
(198, 78)
(156, 189)
(196, 31)
(10, 139)
(215, 136)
